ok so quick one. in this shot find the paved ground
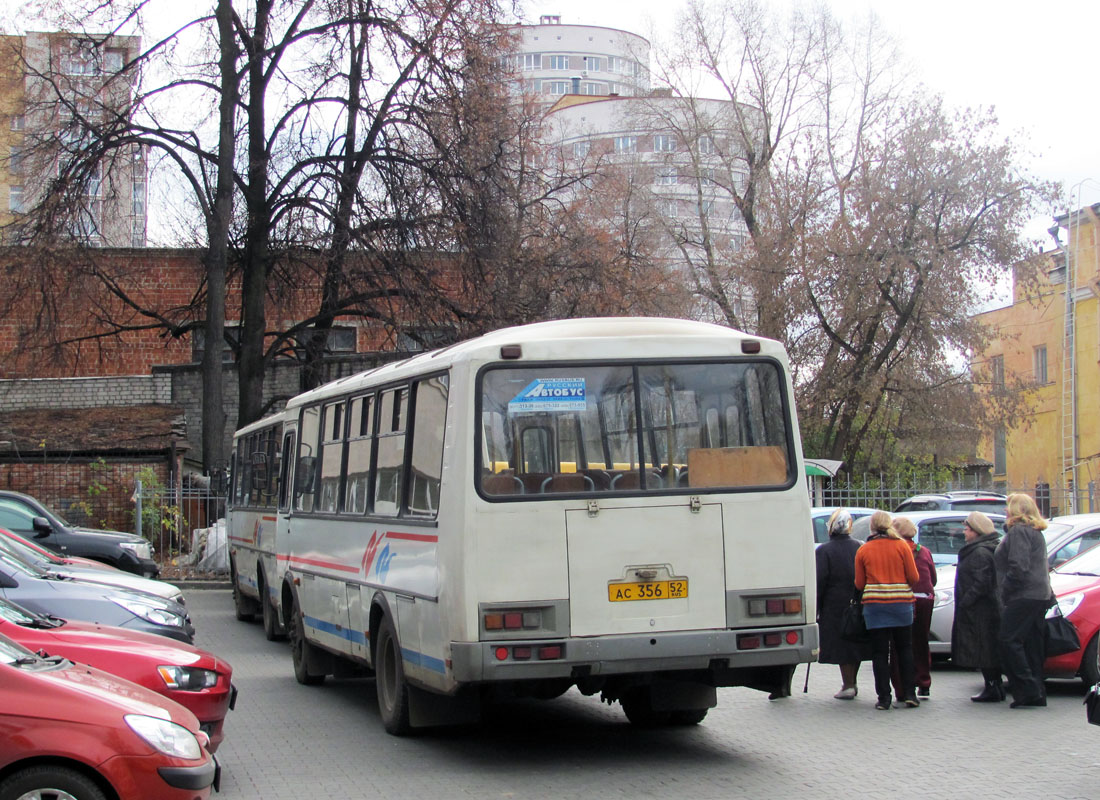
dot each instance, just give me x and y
(290, 741)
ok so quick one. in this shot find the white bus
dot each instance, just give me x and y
(611, 504)
(254, 523)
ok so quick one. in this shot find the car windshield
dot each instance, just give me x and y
(11, 652)
(20, 542)
(13, 562)
(19, 550)
(16, 614)
(1088, 563)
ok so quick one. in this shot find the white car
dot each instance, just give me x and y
(819, 515)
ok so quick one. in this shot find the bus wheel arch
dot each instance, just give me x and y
(304, 655)
(273, 629)
(243, 607)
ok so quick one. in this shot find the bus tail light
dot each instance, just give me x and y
(508, 620)
(755, 641)
(774, 606)
(525, 652)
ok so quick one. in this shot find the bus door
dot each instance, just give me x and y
(282, 516)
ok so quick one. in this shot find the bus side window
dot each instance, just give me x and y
(429, 422)
(307, 462)
(390, 451)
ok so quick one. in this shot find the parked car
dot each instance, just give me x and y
(1065, 536)
(109, 576)
(126, 551)
(71, 598)
(194, 678)
(1076, 584)
(989, 502)
(72, 732)
(819, 515)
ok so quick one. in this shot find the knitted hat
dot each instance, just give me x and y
(979, 523)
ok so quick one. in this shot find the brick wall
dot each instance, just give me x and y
(85, 492)
(130, 390)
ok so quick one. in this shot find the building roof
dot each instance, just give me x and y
(112, 430)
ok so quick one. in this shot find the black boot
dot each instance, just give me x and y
(994, 692)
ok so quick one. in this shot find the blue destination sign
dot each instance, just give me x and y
(550, 394)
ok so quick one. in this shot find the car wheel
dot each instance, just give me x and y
(1090, 662)
(49, 783)
(301, 651)
(389, 681)
(272, 630)
(242, 606)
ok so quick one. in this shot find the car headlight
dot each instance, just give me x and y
(943, 597)
(166, 737)
(1068, 604)
(139, 549)
(150, 613)
(188, 679)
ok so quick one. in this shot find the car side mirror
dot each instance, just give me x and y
(7, 582)
(42, 527)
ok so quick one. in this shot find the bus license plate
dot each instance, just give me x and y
(647, 590)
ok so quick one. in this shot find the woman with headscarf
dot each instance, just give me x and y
(835, 587)
(886, 574)
(924, 598)
(977, 608)
(1024, 580)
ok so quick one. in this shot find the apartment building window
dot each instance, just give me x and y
(532, 61)
(137, 232)
(15, 162)
(670, 208)
(593, 89)
(556, 87)
(997, 371)
(15, 199)
(626, 144)
(1040, 358)
(621, 66)
(17, 122)
(137, 205)
(706, 146)
(593, 63)
(559, 62)
(664, 143)
(1000, 452)
(580, 149)
(95, 182)
(665, 176)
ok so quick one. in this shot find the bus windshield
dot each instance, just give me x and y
(641, 427)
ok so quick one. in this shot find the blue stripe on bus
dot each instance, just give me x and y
(412, 656)
(421, 660)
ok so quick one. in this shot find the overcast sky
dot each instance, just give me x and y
(1032, 64)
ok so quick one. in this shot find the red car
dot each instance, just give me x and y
(75, 732)
(194, 678)
(1076, 584)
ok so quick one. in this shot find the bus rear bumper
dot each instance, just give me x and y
(719, 652)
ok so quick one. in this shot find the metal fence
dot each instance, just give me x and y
(181, 522)
(887, 492)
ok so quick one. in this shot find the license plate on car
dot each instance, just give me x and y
(647, 590)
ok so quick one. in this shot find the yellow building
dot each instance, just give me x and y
(1049, 338)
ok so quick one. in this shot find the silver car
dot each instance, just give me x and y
(1066, 537)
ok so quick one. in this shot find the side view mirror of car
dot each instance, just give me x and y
(7, 582)
(41, 526)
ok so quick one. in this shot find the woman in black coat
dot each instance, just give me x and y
(977, 622)
(836, 576)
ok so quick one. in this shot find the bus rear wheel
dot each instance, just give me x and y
(301, 651)
(272, 630)
(389, 681)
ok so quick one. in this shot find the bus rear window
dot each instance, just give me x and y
(644, 428)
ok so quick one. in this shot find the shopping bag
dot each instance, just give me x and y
(852, 626)
(1092, 705)
(1061, 634)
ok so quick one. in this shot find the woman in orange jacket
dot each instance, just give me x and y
(886, 574)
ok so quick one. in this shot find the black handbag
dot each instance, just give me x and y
(852, 626)
(1061, 634)
(1092, 705)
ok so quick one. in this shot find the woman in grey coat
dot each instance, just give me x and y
(978, 608)
(1024, 581)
